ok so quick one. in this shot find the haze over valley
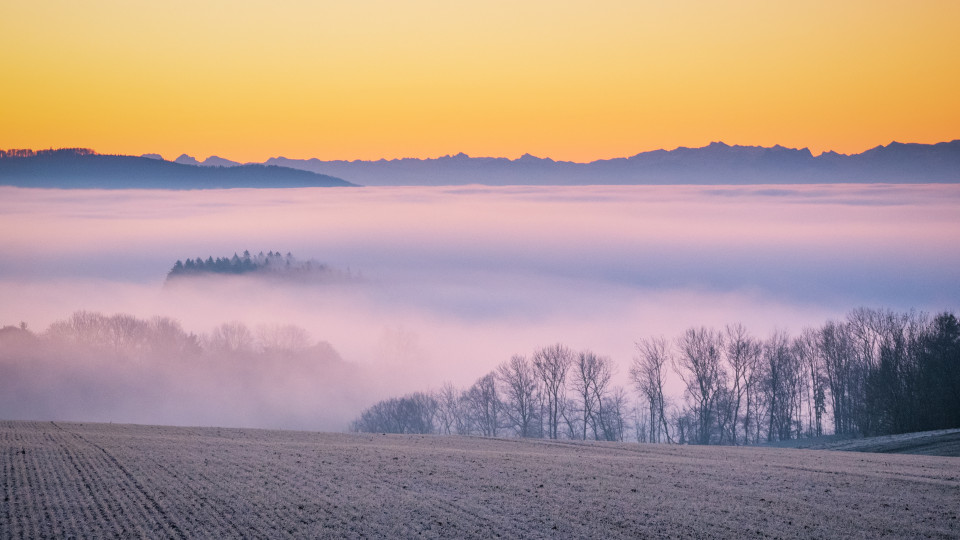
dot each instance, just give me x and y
(455, 281)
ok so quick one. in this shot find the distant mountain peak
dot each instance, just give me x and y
(185, 159)
(217, 161)
(460, 156)
(530, 158)
(212, 161)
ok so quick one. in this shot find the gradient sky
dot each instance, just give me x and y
(568, 80)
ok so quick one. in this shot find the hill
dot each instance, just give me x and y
(717, 163)
(81, 168)
(944, 442)
(272, 265)
(106, 480)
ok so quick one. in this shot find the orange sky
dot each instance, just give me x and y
(569, 80)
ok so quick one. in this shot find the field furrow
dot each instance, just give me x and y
(16, 493)
(117, 493)
(99, 480)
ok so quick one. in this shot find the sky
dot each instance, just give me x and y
(568, 80)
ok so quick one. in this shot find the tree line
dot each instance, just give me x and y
(875, 372)
(272, 262)
(100, 367)
(27, 153)
(123, 336)
(556, 393)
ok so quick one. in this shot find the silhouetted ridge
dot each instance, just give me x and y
(83, 168)
(716, 163)
(184, 159)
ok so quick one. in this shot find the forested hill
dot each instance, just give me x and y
(274, 265)
(82, 168)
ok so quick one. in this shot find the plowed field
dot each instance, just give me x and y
(944, 442)
(100, 480)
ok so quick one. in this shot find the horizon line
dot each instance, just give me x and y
(466, 155)
(528, 154)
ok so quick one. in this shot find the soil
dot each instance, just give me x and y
(945, 442)
(102, 480)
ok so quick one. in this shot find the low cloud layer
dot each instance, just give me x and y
(456, 280)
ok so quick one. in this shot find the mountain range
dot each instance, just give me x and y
(716, 163)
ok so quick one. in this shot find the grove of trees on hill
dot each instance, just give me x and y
(26, 152)
(876, 372)
(272, 264)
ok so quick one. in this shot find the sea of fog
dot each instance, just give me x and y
(456, 280)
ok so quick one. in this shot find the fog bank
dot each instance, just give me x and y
(455, 280)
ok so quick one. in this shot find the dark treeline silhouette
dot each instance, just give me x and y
(409, 414)
(557, 393)
(876, 372)
(26, 152)
(271, 264)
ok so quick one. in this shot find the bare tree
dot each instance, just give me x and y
(82, 328)
(127, 334)
(591, 377)
(231, 338)
(167, 338)
(571, 422)
(449, 414)
(641, 421)
(683, 425)
(519, 382)
(551, 364)
(699, 365)
(613, 414)
(413, 413)
(604, 419)
(485, 406)
(283, 340)
(808, 353)
(743, 354)
(648, 374)
(866, 331)
(724, 413)
(779, 386)
(836, 346)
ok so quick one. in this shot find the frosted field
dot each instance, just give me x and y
(102, 480)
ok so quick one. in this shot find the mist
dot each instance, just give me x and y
(449, 282)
